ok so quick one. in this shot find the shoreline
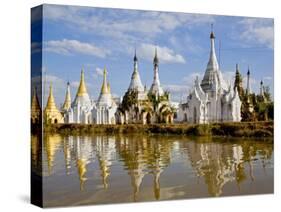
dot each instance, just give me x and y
(239, 129)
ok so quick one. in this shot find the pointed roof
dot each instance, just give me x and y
(35, 105)
(82, 97)
(105, 98)
(136, 83)
(82, 90)
(51, 111)
(104, 87)
(51, 105)
(67, 101)
(212, 73)
(156, 87)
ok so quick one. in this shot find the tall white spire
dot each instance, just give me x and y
(212, 73)
(136, 83)
(156, 87)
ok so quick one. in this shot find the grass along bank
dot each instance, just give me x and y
(241, 129)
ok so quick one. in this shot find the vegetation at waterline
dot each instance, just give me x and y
(242, 129)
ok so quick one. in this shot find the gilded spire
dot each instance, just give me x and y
(51, 105)
(82, 90)
(51, 112)
(104, 88)
(35, 101)
(67, 101)
(36, 112)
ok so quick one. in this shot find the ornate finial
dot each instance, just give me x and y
(212, 36)
(237, 67)
(261, 82)
(248, 72)
(135, 57)
(155, 57)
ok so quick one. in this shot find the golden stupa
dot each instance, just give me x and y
(51, 112)
(36, 111)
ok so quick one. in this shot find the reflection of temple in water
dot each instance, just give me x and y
(85, 150)
(105, 150)
(51, 144)
(36, 154)
(220, 163)
(145, 157)
(142, 156)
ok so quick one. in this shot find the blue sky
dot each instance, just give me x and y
(76, 37)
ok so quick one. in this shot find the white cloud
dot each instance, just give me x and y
(36, 47)
(165, 54)
(185, 43)
(258, 30)
(269, 78)
(70, 47)
(59, 88)
(97, 73)
(120, 23)
(178, 92)
(189, 79)
(229, 77)
(176, 88)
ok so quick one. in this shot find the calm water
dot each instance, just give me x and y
(129, 168)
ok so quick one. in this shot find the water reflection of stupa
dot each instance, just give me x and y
(51, 145)
(36, 154)
(219, 164)
(105, 150)
(143, 156)
(83, 149)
